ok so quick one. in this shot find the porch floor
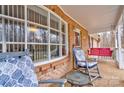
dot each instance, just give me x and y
(111, 76)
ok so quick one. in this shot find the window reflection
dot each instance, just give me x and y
(37, 34)
(54, 22)
(54, 51)
(0, 36)
(0, 9)
(39, 52)
(35, 16)
(77, 39)
(14, 11)
(6, 9)
(0, 48)
(15, 47)
(54, 36)
(63, 50)
(63, 39)
(14, 31)
(0, 29)
(63, 27)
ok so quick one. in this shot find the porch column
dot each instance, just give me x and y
(120, 55)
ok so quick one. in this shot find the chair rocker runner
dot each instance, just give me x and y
(17, 70)
(90, 67)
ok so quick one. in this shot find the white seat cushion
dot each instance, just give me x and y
(89, 64)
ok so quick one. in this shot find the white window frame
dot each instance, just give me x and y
(4, 44)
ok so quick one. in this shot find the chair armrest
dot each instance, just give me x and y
(61, 82)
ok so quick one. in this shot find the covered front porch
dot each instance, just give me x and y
(105, 31)
(51, 32)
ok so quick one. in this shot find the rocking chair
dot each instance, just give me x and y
(89, 67)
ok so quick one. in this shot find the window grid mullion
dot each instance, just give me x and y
(60, 34)
(26, 28)
(3, 35)
(49, 51)
(17, 25)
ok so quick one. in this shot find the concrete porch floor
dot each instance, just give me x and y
(111, 76)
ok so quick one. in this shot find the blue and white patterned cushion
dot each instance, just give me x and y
(80, 56)
(17, 72)
(87, 64)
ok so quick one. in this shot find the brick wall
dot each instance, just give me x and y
(60, 68)
(53, 70)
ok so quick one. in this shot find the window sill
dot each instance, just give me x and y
(51, 61)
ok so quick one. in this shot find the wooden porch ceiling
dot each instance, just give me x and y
(95, 18)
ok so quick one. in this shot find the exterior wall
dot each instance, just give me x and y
(53, 70)
(60, 68)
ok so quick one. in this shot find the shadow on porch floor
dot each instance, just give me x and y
(111, 76)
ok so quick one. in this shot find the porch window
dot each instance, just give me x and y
(38, 29)
(77, 39)
(54, 51)
(0, 9)
(0, 30)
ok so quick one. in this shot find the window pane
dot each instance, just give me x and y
(39, 52)
(63, 39)
(21, 32)
(0, 36)
(37, 15)
(10, 10)
(37, 34)
(5, 9)
(43, 20)
(0, 29)
(54, 51)
(54, 22)
(54, 36)
(63, 27)
(21, 13)
(15, 47)
(0, 48)
(14, 31)
(63, 50)
(15, 10)
(77, 39)
(0, 9)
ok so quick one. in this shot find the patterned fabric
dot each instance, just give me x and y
(80, 55)
(17, 72)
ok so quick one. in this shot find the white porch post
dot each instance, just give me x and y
(120, 59)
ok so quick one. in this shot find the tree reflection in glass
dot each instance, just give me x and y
(54, 37)
(54, 51)
(37, 34)
(1, 29)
